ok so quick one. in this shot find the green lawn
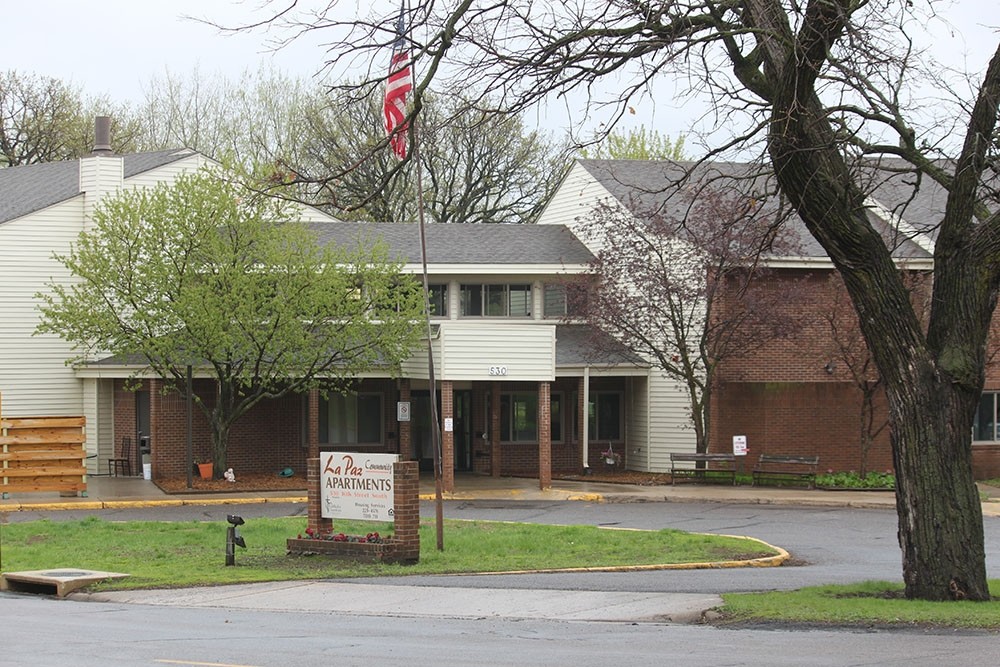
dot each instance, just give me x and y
(166, 554)
(872, 603)
(163, 554)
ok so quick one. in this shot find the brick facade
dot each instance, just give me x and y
(282, 433)
(797, 395)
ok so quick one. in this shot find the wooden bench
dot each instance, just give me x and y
(723, 467)
(786, 469)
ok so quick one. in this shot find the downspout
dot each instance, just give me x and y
(649, 420)
(585, 435)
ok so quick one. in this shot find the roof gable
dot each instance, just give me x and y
(644, 186)
(32, 187)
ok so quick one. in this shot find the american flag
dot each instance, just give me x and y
(397, 87)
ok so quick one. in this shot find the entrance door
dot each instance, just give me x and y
(142, 421)
(420, 428)
(463, 430)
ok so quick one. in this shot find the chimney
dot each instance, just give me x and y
(102, 136)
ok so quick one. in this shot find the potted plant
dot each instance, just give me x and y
(205, 469)
(610, 456)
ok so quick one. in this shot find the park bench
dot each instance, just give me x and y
(783, 469)
(715, 466)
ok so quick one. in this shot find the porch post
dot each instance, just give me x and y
(544, 435)
(405, 431)
(312, 420)
(314, 508)
(495, 429)
(447, 436)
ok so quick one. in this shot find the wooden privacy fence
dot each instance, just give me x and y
(43, 454)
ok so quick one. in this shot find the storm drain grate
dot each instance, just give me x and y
(60, 582)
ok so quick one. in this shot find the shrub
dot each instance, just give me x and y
(852, 480)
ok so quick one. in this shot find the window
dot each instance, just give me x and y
(984, 425)
(604, 411)
(351, 419)
(472, 300)
(555, 301)
(496, 300)
(556, 401)
(439, 300)
(519, 417)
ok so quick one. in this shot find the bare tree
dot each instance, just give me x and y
(850, 357)
(44, 119)
(683, 287)
(320, 146)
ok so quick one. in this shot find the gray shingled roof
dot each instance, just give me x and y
(645, 186)
(584, 345)
(32, 187)
(505, 244)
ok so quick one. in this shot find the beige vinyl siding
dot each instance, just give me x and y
(525, 352)
(100, 177)
(669, 425)
(168, 172)
(637, 426)
(310, 214)
(576, 197)
(416, 365)
(33, 376)
(98, 408)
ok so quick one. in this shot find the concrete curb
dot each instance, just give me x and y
(765, 561)
(131, 504)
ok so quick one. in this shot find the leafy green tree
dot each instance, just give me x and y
(638, 144)
(208, 273)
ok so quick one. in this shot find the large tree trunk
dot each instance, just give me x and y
(940, 516)
(940, 519)
(931, 382)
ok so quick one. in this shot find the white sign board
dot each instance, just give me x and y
(449, 424)
(403, 411)
(739, 445)
(354, 485)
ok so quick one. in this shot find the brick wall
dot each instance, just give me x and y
(798, 419)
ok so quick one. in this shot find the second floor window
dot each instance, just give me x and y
(439, 300)
(496, 300)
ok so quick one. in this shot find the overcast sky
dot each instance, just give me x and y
(116, 47)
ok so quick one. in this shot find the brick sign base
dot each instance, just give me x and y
(404, 545)
(362, 552)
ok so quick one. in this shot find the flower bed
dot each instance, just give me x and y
(370, 548)
(367, 552)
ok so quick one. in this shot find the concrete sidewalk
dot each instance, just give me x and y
(121, 492)
(364, 599)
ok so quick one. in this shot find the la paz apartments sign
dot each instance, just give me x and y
(355, 485)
